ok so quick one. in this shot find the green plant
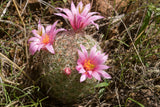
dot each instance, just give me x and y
(141, 105)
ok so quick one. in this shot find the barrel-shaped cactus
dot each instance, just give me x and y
(56, 83)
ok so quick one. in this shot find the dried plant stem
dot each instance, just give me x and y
(9, 22)
(117, 95)
(129, 34)
(24, 7)
(16, 66)
(24, 26)
(7, 81)
(1, 82)
(13, 103)
(4, 11)
(133, 44)
(140, 25)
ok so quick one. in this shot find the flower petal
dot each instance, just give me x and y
(33, 49)
(79, 67)
(82, 71)
(90, 14)
(86, 9)
(83, 77)
(95, 17)
(91, 20)
(104, 58)
(105, 74)
(41, 29)
(53, 34)
(93, 52)
(79, 6)
(84, 50)
(89, 74)
(50, 48)
(96, 76)
(73, 8)
(101, 67)
(34, 39)
(81, 56)
(68, 13)
(54, 25)
(40, 47)
(61, 14)
(97, 26)
(35, 33)
(48, 28)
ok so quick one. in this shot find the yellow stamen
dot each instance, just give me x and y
(88, 65)
(45, 39)
(81, 9)
(40, 33)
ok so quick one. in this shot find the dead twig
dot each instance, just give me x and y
(9, 22)
(12, 103)
(117, 95)
(129, 34)
(6, 80)
(141, 22)
(24, 26)
(24, 7)
(1, 82)
(16, 66)
(4, 11)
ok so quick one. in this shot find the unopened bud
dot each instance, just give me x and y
(67, 71)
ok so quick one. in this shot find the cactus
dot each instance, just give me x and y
(58, 85)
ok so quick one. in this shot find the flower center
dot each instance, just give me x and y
(40, 33)
(88, 65)
(45, 39)
(81, 9)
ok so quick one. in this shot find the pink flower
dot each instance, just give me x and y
(79, 17)
(67, 71)
(43, 38)
(92, 65)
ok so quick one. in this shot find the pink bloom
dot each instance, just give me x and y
(67, 71)
(92, 65)
(79, 17)
(43, 38)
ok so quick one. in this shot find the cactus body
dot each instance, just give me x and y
(66, 88)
